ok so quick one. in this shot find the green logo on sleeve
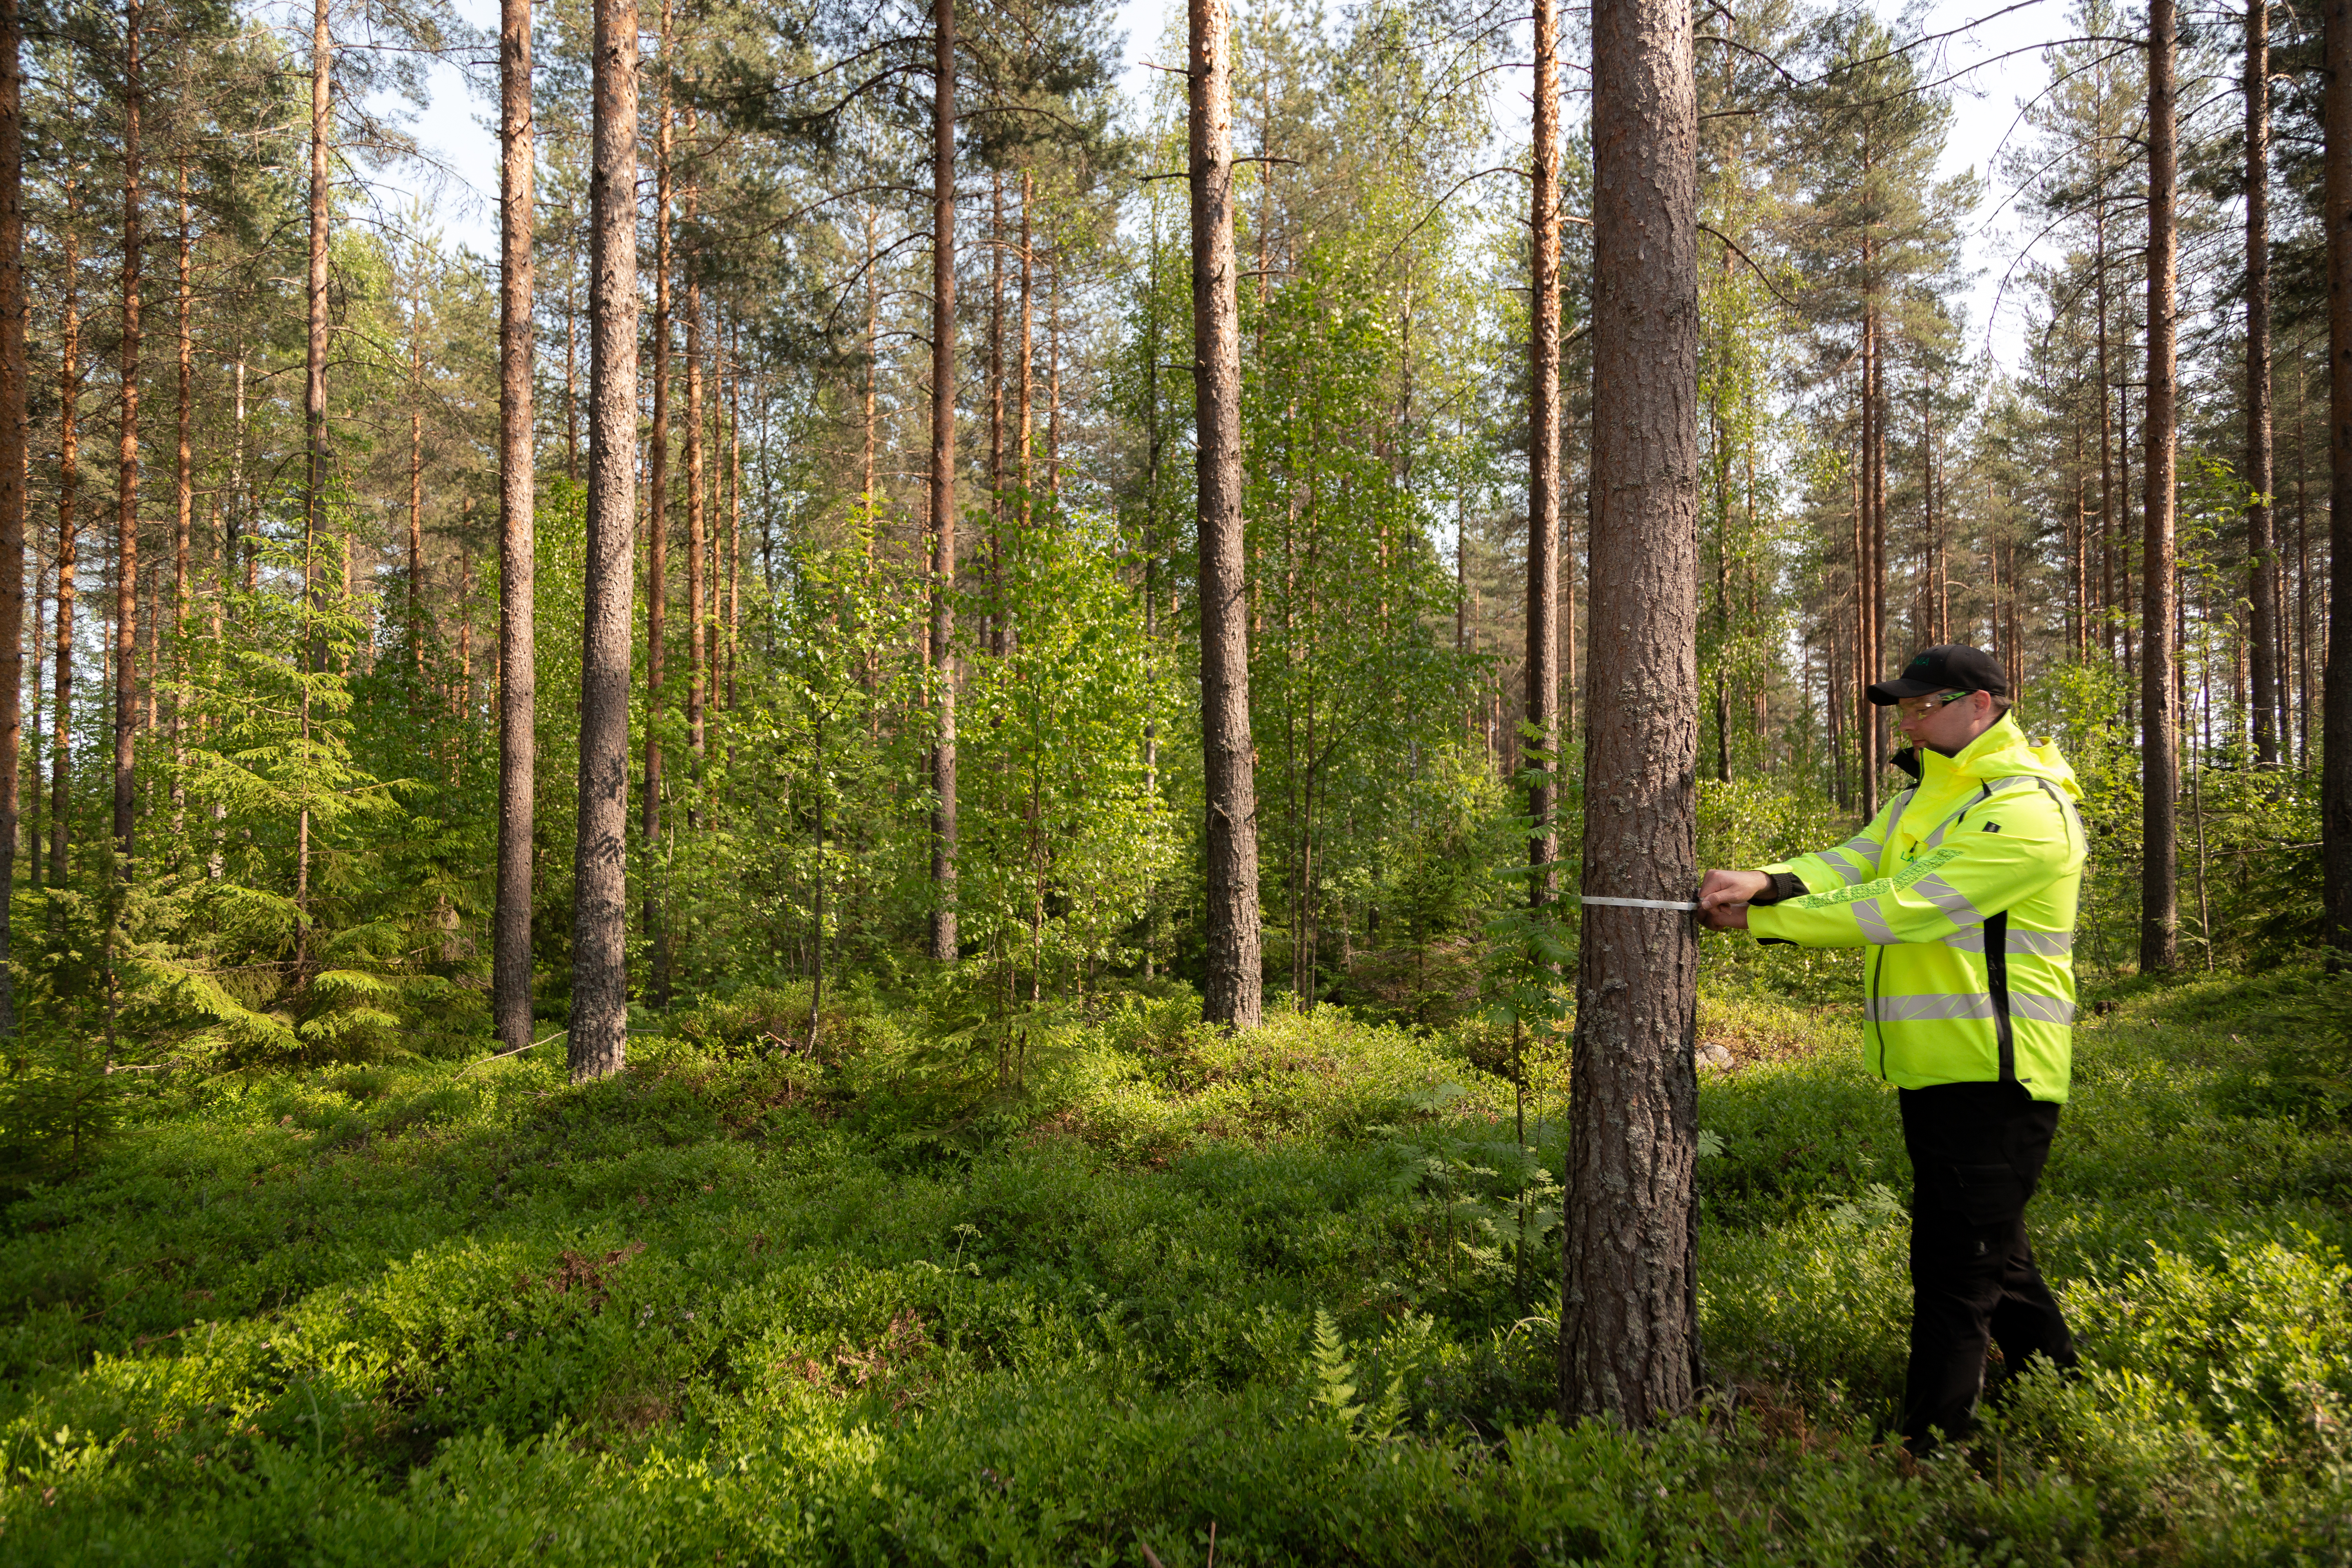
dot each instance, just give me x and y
(1884, 884)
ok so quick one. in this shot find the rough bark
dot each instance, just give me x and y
(2336, 720)
(1628, 1326)
(2159, 922)
(600, 973)
(1543, 460)
(1232, 994)
(658, 547)
(2262, 553)
(518, 553)
(69, 552)
(698, 661)
(13, 498)
(943, 479)
(416, 473)
(184, 496)
(126, 494)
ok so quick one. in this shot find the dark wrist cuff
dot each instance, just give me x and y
(1785, 885)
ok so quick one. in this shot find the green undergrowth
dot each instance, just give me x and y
(932, 1294)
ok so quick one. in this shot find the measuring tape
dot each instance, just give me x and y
(1638, 903)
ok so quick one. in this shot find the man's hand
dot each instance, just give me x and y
(1723, 898)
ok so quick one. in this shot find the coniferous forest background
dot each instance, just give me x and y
(1038, 811)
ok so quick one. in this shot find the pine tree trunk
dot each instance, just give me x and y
(2261, 554)
(658, 545)
(126, 517)
(2335, 721)
(13, 499)
(69, 549)
(2159, 928)
(697, 662)
(1233, 994)
(599, 969)
(996, 639)
(416, 637)
(734, 522)
(1543, 458)
(184, 497)
(943, 482)
(1628, 1321)
(518, 549)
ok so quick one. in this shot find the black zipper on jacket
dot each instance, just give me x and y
(1996, 930)
(1870, 1001)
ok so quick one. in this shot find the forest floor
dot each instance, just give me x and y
(864, 1306)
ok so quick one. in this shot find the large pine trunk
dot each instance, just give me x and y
(2336, 720)
(2159, 920)
(943, 496)
(599, 969)
(1629, 1327)
(517, 555)
(1233, 995)
(1543, 460)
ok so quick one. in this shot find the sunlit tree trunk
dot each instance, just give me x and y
(943, 482)
(2159, 931)
(2262, 553)
(417, 472)
(126, 517)
(698, 663)
(1233, 993)
(13, 499)
(518, 552)
(600, 974)
(1629, 1319)
(1543, 458)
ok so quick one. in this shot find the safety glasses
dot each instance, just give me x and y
(1918, 707)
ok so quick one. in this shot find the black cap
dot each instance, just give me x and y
(1950, 668)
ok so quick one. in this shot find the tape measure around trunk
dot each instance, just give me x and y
(1637, 903)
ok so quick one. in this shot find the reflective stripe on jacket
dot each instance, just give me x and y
(1964, 891)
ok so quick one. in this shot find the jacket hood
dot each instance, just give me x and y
(2004, 751)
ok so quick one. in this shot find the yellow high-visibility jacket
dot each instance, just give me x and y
(1964, 889)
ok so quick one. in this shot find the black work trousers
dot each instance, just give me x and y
(1977, 1153)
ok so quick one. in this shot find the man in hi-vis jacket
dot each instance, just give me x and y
(1962, 892)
